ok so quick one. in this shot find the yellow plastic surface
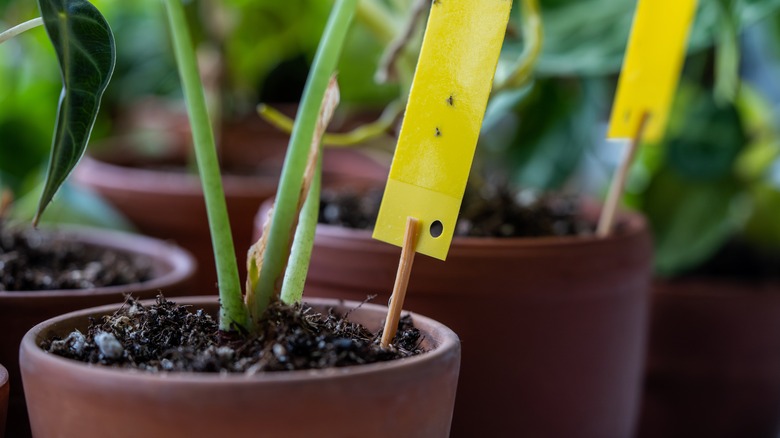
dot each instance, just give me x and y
(651, 68)
(439, 134)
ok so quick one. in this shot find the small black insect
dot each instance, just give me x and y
(451, 100)
(438, 132)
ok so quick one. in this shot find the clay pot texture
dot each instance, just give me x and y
(410, 397)
(4, 385)
(21, 310)
(713, 360)
(553, 329)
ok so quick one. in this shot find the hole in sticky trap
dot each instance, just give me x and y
(436, 229)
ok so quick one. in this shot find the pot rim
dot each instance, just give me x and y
(635, 222)
(635, 225)
(182, 263)
(93, 171)
(447, 342)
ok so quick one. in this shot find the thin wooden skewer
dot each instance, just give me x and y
(401, 281)
(619, 181)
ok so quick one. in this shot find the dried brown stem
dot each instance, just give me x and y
(387, 70)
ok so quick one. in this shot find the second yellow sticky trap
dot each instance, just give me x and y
(441, 125)
(651, 68)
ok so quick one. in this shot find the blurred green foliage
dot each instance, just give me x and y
(588, 37)
(709, 180)
(265, 34)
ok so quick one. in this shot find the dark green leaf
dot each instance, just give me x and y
(690, 220)
(85, 50)
(541, 139)
(707, 143)
(762, 229)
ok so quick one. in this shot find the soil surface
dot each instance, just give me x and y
(494, 211)
(33, 260)
(170, 337)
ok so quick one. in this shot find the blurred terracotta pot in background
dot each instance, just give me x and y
(713, 365)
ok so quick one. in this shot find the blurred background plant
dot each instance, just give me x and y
(711, 189)
(542, 130)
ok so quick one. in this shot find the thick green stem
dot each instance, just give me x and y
(291, 180)
(232, 309)
(19, 28)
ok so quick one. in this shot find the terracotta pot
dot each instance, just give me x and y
(169, 204)
(553, 329)
(714, 360)
(21, 310)
(411, 397)
(4, 384)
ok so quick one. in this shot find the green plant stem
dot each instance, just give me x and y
(727, 54)
(399, 5)
(232, 309)
(378, 19)
(19, 28)
(356, 137)
(291, 180)
(533, 35)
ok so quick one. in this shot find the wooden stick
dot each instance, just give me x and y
(619, 181)
(401, 281)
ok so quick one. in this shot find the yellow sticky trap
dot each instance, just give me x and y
(443, 117)
(651, 67)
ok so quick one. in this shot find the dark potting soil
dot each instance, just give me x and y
(494, 211)
(170, 337)
(33, 260)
